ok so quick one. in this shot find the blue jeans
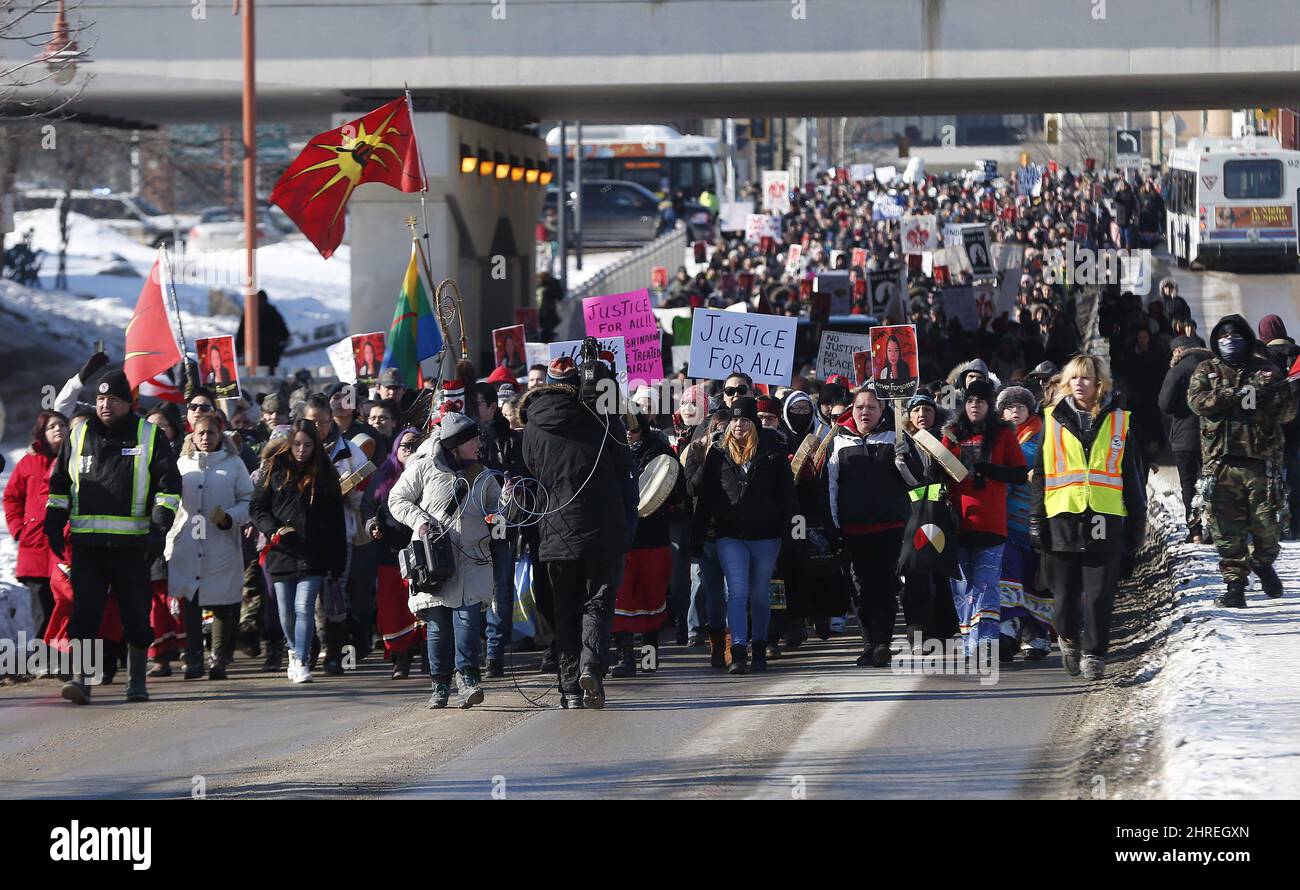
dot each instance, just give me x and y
(747, 566)
(296, 599)
(709, 591)
(976, 595)
(467, 620)
(501, 620)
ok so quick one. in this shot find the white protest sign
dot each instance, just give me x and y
(760, 225)
(918, 233)
(959, 303)
(341, 358)
(573, 349)
(836, 353)
(886, 175)
(733, 214)
(681, 357)
(761, 346)
(776, 191)
(537, 353)
(861, 172)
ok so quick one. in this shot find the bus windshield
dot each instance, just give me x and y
(1252, 179)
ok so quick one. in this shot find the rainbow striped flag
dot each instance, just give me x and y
(413, 335)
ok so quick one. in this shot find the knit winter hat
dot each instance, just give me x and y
(452, 396)
(746, 407)
(980, 388)
(501, 375)
(562, 370)
(113, 382)
(1271, 327)
(1015, 395)
(456, 429)
(768, 405)
(921, 399)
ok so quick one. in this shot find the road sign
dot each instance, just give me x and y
(1128, 147)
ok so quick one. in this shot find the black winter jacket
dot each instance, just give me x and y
(587, 473)
(318, 546)
(752, 506)
(1184, 426)
(1077, 532)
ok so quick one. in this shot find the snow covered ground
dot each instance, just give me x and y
(106, 270)
(1220, 686)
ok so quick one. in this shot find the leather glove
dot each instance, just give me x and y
(92, 366)
(55, 520)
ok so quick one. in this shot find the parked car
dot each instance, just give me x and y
(131, 215)
(220, 228)
(616, 213)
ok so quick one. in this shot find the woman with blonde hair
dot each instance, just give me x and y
(1088, 509)
(747, 491)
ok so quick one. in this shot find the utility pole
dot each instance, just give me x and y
(251, 333)
(577, 196)
(562, 210)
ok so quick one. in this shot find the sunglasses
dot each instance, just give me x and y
(736, 390)
(406, 446)
(199, 406)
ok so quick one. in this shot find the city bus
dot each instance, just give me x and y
(1231, 199)
(651, 155)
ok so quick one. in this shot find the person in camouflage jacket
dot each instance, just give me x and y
(1242, 400)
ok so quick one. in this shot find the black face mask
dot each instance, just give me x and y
(1233, 348)
(799, 423)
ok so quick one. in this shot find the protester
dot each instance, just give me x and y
(446, 491)
(398, 628)
(204, 549)
(1184, 426)
(1089, 510)
(25, 497)
(298, 506)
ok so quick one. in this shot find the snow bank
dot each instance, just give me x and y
(1220, 683)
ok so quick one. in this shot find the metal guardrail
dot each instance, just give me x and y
(633, 271)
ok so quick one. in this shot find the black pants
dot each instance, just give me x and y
(225, 624)
(126, 571)
(873, 558)
(927, 604)
(1084, 586)
(583, 591)
(42, 598)
(362, 579)
(1189, 470)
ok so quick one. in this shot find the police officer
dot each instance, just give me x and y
(1243, 401)
(116, 485)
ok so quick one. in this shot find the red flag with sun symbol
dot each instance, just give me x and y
(314, 191)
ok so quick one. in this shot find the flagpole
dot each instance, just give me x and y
(176, 308)
(428, 291)
(424, 213)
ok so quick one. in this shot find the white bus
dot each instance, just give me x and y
(1230, 199)
(651, 155)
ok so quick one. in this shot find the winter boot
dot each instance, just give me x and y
(717, 649)
(1069, 656)
(402, 664)
(571, 701)
(194, 665)
(160, 668)
(739, 660)
(881, 655)
(496, 668)
(274, 657)
(759, 662)
(593, 690)
(1268, 578)
(626, 666)
(823, 628)
(217, 668)
(467, 688)
(549, 664)
(1007, 648)
(77, 691)
(441, 694)
(1234, 597)
(137, 657)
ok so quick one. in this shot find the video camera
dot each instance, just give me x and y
(428, 562)
(591, 371)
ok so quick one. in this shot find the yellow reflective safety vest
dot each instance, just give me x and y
(1074, 481)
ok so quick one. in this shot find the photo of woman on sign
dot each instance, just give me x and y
(893, 359)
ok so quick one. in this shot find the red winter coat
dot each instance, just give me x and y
(24, 499)
(982, 506)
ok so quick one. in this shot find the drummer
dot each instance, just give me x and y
(641, 606)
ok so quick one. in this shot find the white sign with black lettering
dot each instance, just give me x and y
(761, 346)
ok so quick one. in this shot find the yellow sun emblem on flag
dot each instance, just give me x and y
(351, 157)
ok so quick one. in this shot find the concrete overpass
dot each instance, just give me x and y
(639, 59)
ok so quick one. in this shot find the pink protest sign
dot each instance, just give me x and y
(631, 317)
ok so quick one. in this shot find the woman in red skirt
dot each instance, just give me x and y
(403, 636)
(642, 603)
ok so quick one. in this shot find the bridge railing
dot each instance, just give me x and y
(630, 273)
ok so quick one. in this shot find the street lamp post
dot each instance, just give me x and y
(61, 53)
